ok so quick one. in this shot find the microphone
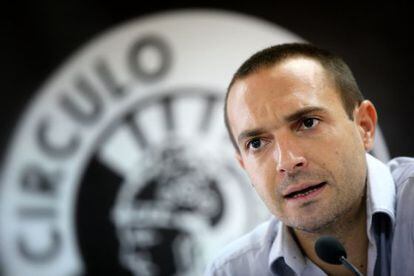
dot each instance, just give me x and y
(331, 251)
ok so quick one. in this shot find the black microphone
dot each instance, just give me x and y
(331, 251)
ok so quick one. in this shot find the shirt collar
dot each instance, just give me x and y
(380, 198)
(284, 246)
(380, 190)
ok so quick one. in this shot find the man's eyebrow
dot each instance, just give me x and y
(302, 112)
(249, 133)
(289, 118)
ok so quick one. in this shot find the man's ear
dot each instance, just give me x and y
(365, 117)
(239, 159)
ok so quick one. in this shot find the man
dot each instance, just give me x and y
(301, 130)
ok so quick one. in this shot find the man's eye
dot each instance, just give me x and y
(309, 123)
(254, 144)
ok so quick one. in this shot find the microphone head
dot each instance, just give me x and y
(330, 250)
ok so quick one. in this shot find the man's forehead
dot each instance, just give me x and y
(294, 70)
(297, 69)
(286, 79)
(271, 94)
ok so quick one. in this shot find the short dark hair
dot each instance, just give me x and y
(342, 76)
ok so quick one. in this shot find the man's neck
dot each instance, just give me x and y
(351, 232)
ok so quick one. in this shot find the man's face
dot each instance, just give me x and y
(302, 152)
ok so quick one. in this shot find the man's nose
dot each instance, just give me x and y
(289, 156)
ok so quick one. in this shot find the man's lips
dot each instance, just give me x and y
(301, 190)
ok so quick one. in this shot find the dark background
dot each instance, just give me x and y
(39, 36)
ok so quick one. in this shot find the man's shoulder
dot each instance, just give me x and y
(251, 249)
(402, 170)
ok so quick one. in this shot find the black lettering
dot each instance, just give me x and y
(38, 212)
(108, 79)
(57, 151)
(41, 255)
(135, 62)
(90, 94)
(37, 181)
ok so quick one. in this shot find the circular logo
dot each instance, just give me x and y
(121, 164)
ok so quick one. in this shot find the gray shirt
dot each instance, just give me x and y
(271, 250)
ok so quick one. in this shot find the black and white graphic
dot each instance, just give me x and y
(170, 189)
(121, 164)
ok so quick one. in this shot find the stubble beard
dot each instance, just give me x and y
(337, 217)
(333, 217)
(322, 223)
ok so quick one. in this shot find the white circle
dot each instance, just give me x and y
(206, 47)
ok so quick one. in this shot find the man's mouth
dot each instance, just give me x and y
(305, 192)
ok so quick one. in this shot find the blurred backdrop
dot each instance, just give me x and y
(114, 156)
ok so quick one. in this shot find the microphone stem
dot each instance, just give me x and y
(348, 265)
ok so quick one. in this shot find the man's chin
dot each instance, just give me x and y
(315, 226)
